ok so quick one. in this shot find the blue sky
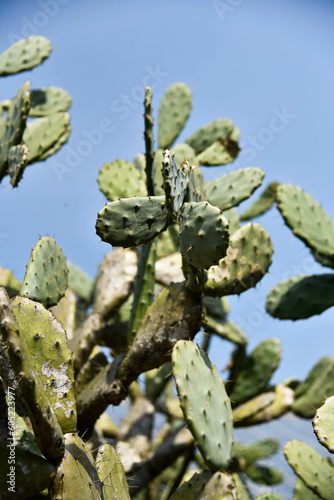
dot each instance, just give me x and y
(251, 61)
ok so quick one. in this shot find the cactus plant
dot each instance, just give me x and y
(146, 310)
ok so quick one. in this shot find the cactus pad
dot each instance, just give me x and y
(307, 219)
(132, 221)
(45, 279)
(233, 188)
(204, 234)
(111, 473)
(173, 112)
(254, 371)
(219, 130)
(263, 203)
(44, 136)
(247, 261)
(314, 470)
(323, 424)
(183, 152)
(121, 179)
(301, 297)
(220, 152)
(49, 100)
(204, 402)
(24, 54)
(44, 341)
(17, 160)
(14, 125)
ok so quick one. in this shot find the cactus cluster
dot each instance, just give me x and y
(180, 247)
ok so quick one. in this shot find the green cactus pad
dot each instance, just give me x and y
(320, 367)
(132, 221)
(221, 130)
(204, 402)
(314, 470)
(24, 54)
(32, 473)
(183, 152)
(111, 473)
(174, 184)
(48, 433)
(301, 297)
(254, 372)
(247, 261)
(45, 135)
(76, 475)
(66, 312)
(233, 218)
(302, 492)
(217, 307)
(265, 201)
(269, 496)
(307, 219)
(226, 330)
(281, 404)
(233, 188)
(156, 380)
(79, 281)
(323, 424)
(44, 340)
(173, 112)
(204, 236)
(8, 280)
(121, 179)
(251, 452)
(322, 387)
(264, 475)
(194, 487)
(17, 161)
(14, 125)
(45, 279)
(246, 411)
(49, 100)
(220, 152)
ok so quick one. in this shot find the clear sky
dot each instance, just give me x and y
(247, 60)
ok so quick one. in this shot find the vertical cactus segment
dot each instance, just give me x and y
(247, 261)
(44, 341)
(233, 188)
(24, 54)
(14, 125)
(173, 112)
(205, 404)
(301, 297)
(144, 286)
(49, 100)
(323, 424)
(48, 434)
(111, 473)
(174, 184)
(17, 161)
(132, 221)
(76, 475)
(149, 144)
(221, 130)
(204, 236)
(314, 470)
(120, 179)
(263, 203)
(254, 371)
(45, 135)
(45, 279)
